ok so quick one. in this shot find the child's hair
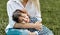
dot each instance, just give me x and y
(16, 15)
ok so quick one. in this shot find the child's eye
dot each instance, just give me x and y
(23, 16)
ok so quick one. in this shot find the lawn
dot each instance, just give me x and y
(50, 10)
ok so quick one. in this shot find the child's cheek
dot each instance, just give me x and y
(26, 20)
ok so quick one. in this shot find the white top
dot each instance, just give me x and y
(12, 5)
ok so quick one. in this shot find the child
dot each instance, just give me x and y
(23, 17)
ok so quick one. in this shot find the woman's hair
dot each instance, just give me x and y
(36, 3)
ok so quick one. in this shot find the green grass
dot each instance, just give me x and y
(50, 10)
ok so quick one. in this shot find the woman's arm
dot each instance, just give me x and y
(10, 9)
(25, 25)
(37, 25)
(38, 14)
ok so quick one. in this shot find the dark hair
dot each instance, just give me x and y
(16, 15)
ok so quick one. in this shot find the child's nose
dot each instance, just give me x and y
(26, 17)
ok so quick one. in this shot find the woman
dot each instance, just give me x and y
(33, 9)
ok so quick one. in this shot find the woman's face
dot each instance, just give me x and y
(24, 18)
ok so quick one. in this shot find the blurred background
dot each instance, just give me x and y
(50, 10)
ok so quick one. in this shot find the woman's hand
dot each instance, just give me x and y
(38, 25)
(24, 10)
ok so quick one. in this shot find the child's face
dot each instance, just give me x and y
(24, 18)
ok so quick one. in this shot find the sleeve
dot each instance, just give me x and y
(10, 9)
(38, 15)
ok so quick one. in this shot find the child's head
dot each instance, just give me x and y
(20, 17)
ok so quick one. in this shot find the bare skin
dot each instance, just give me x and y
(24, 2)
(36, 25)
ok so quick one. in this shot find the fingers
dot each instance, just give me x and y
(38, 26)
(38, 22)
(24, 10)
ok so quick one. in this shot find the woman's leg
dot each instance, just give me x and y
(17, 32)
(45, 31)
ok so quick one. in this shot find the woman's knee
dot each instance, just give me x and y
(50, 33)
(46, 31)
